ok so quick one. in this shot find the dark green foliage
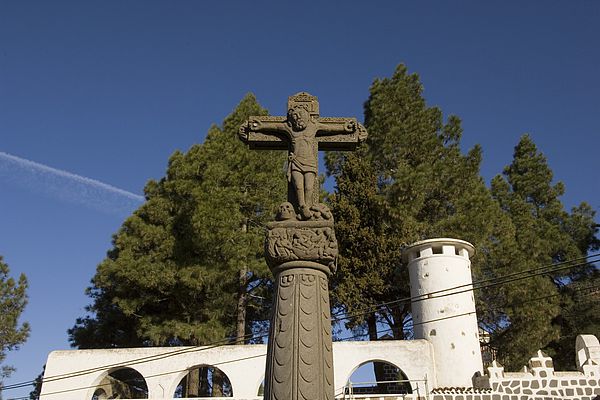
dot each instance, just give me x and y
(545, 234)
(37, 385)
(183, 266)
(580, 316)
(13, 299)
(173, 275)
(409, 182)
(370, 251)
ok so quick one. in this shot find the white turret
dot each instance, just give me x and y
(443, 307)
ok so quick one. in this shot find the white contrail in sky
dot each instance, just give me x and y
(67, 186)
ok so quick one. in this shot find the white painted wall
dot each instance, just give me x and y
(587, 348)
(446, 318)
(75, 374)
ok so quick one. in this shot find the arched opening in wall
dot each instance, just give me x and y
(261, 389)
(122, 383)
(378, 377)
(100, 394)
(204, 381)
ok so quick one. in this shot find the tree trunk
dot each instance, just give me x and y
(241, 307)
(242, 298)
(204, 389)
(217, 383)
(192, 383)
(398, 325)
(372, 326)
(377, 366)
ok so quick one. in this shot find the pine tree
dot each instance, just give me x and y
(580, 316)
(410, 182)
(183, 265)
(370, 249)
(13, 299)
(545, 234)
(37, 385)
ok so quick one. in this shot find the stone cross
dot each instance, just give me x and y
(301, 250)
(302, 133)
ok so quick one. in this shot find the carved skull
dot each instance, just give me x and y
(286, 211)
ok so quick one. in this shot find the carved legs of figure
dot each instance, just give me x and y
(304, 183)
(299, 357)
(309, 186)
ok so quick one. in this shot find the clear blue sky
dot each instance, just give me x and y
(108, 90)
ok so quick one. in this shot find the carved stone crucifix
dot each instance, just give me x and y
(301, 250)
(303, 133)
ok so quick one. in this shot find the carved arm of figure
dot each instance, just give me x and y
(271, 128)
(256, 125)
(346, 127)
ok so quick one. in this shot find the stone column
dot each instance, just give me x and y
(443, 307)
(301, 248)
(301, 255)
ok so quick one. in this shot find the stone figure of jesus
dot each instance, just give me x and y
(301, 249)
(301, 129)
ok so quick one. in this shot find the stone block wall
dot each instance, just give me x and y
(392, 373)
(537, 381)
(564, 386)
